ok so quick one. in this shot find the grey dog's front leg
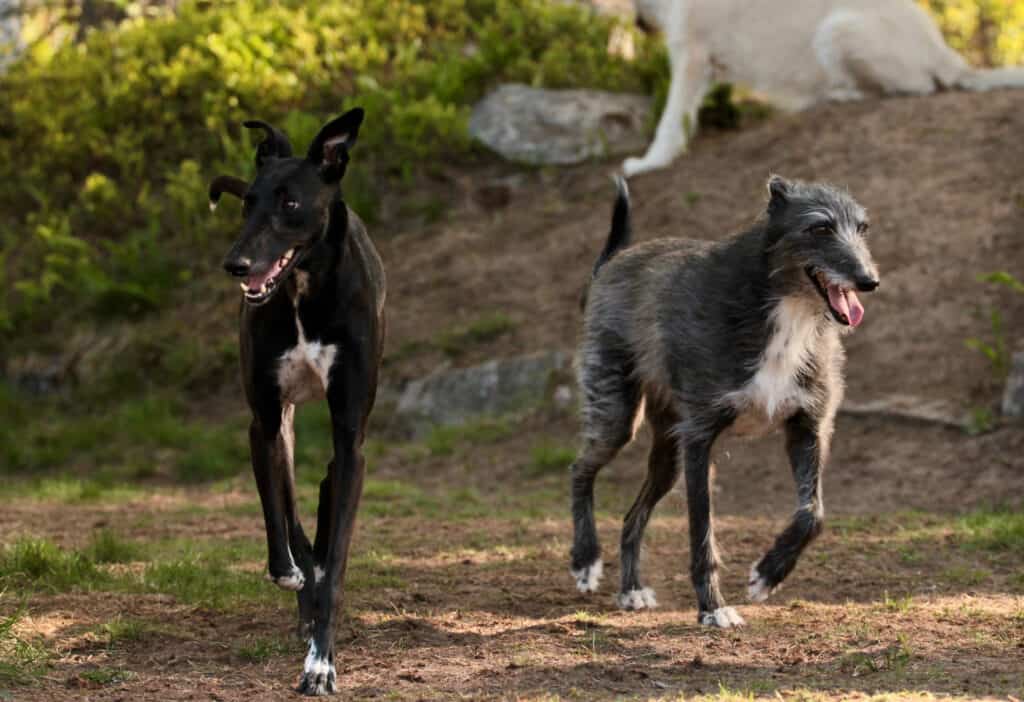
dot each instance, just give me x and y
(806, 444)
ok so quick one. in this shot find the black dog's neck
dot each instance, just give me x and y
(323, 260)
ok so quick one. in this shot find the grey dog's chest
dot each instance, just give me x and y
(777, 390)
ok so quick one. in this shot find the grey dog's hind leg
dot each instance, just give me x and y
(662, 473)
(611, 399)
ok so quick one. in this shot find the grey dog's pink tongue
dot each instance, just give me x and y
(846, 303)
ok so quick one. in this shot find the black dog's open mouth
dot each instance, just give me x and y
(260, 286)
(843, 303)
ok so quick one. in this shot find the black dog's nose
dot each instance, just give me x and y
(867, 284)
(238, 267)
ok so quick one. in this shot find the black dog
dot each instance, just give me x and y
(322, 337)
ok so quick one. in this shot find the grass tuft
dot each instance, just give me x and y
(42, 565)
(548, 456)
(994, 530)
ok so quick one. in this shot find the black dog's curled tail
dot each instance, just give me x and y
(621, 233)
(618, 238)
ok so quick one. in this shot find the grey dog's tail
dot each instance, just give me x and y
(621, 233)
(618, 238)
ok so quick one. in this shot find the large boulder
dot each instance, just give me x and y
(497, 388)
(560, 127)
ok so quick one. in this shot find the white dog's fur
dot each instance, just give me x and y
(797, 53)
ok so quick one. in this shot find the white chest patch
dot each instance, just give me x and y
(774, 392)
(303, 373)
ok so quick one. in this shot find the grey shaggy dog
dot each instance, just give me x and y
(703, 338)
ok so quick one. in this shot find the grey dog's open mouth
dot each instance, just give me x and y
(843, 302)
(260, 286)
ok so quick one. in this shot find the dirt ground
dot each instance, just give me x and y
(890, 601)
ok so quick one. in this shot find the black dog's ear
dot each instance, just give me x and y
(275, 145)
(226, 184)
(329, 150)
(778, 193)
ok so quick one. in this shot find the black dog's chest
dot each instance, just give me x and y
(303, 369)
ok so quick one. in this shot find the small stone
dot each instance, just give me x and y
(1013, 396)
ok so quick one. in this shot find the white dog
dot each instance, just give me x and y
(797, 53)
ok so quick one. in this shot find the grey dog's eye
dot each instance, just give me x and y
(820, 229)
(291, 205)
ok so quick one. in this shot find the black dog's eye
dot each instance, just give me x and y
(820, 229)
(862, 228)
(290, 205)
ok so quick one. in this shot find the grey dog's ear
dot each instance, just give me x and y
(226, 184)
(778, 193)
(275, 145)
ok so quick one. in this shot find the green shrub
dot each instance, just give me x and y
(108, 144)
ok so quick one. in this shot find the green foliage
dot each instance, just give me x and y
(986, 32)
(124, 440)
(113, 140)
(443, 440)
(457, 341)
(997, 350)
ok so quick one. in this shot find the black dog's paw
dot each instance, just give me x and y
(316, 683)
(318, 676)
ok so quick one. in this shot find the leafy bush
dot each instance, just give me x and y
(106, 146)
(986, 32)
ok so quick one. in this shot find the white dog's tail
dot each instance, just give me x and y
(981, 79)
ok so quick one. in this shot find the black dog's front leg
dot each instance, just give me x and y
(350, 400)
(806, 444)
(271, 443)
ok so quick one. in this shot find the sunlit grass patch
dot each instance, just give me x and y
(260, 649)
(108, 547)
(549, 456)
(41, 565)
(123, 630)
(21, 661)
(995, 530)
(99, 677)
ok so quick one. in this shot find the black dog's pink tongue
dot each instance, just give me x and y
(256, 281)
(847, 304)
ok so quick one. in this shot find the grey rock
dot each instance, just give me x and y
(560, 127)
(1013, 395)
(496, 388)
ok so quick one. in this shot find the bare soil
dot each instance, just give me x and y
(889, 601)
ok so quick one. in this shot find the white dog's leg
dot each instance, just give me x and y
(690, 75)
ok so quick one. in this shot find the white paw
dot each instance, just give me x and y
(589, 577)
(723, 618)
(293, 582)
(637, 599)
(318, 675)
(758, 588)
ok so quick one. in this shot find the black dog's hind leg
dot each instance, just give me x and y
(272, 441)
(350, 397)
(806, 444)
(711, 609)
(610, 403)
(662, 472)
